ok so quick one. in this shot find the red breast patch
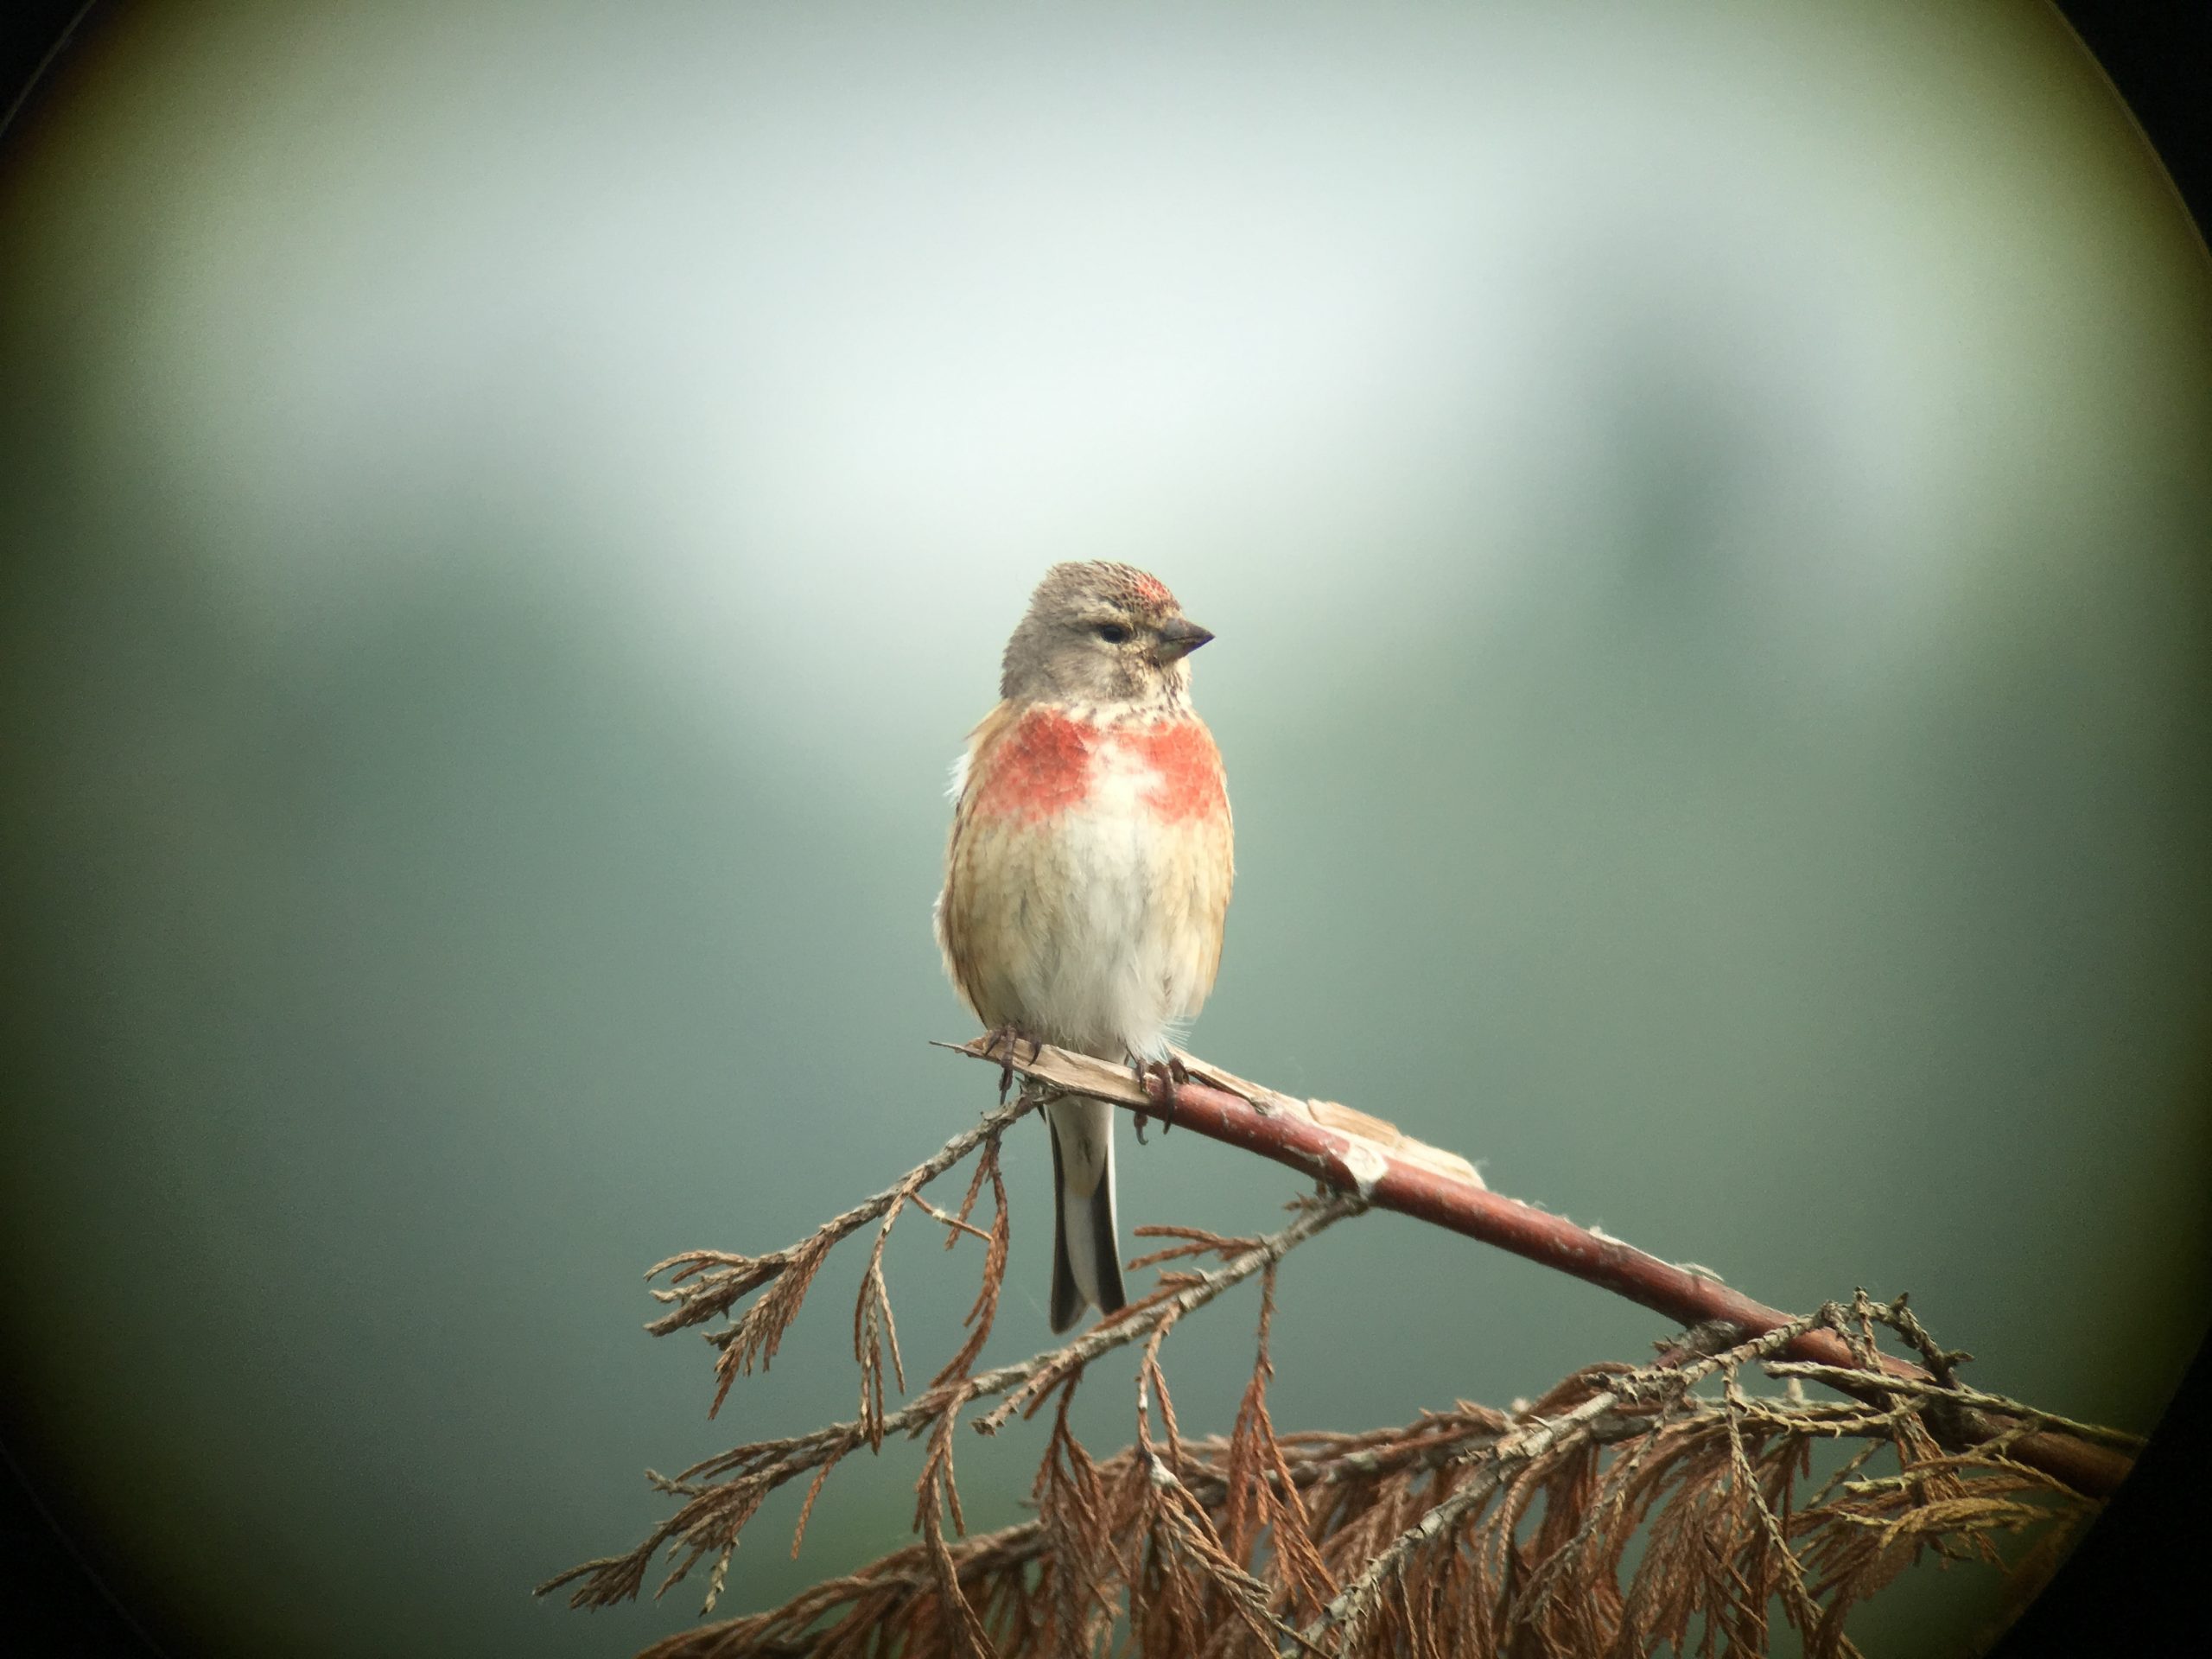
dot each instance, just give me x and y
(1042, 766)
(1039, 767)
(1189, 766)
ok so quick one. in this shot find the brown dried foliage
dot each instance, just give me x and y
(1471, 1531)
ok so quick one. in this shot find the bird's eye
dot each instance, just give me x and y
(1113, 633)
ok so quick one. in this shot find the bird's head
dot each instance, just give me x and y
(1101, 632)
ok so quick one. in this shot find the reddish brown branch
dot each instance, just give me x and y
(1349, 1152)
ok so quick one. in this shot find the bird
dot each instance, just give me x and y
(1088, 872)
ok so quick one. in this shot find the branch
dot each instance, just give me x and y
(726, 1490)
(1348, 1151)
(1470, 1530)
(1541, 1437)
(706, 1283)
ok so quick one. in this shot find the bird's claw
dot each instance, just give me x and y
(1173, 1074)
(1006, 1041)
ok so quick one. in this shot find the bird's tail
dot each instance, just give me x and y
(1086, 1255)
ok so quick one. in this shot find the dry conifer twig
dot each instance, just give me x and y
(1349, 1151)
(704, 1283)
(726, 1490)
(1714, 1477)
(1472, 1530)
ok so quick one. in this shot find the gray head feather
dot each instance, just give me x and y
(1101, 632)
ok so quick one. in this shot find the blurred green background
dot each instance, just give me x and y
(509, 511)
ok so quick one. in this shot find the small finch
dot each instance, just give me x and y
(1088, 870)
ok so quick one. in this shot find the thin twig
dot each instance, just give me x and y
(1351, 1152)
(1472, 1530)
(704, 1283)
(1538, 1438)
(771, 1464)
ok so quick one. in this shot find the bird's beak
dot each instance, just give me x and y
(1178, 638)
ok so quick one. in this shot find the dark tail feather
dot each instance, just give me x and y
(1094, 1214)
(1067, 1300)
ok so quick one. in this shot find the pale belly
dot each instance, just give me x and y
(1090, 930)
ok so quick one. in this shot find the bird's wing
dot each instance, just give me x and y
(971, 774)
(1215, 865)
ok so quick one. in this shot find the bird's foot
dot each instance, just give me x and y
(1005, 1042)
(1172, 1074)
